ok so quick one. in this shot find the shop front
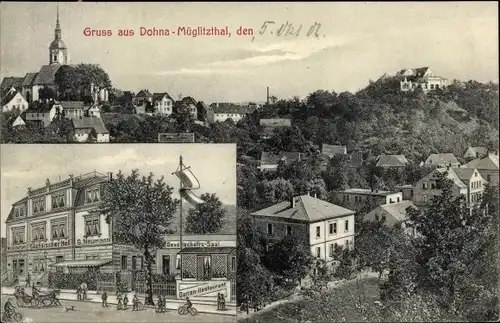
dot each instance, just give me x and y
(205, 272)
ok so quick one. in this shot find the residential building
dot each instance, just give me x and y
(394, 213)
(466, 181)
(73, 109)
(269, 125)
(406, 190)
(142, 97)
(13, 100)
(332, 150)
(391, 161)
(186, 106)
(442, 160)
(10, 82)
(3, 259)
(319, 224)
(43, 114)
(423, 77)
(355, 160)
(202, 109)
(223, 111)
(269, 161)
(357, 198)
(487, 167)
(59, 225)
(18, 122)
(475, 152)
(90, 129)
(163, 103)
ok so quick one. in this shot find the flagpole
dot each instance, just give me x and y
(180, 208)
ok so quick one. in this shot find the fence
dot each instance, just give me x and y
(164, 289)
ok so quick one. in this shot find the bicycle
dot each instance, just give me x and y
(15, 316)
(161, 309)
(140, 306)
(183, 310)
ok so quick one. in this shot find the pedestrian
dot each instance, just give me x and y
(28, 280)
(222, 302)
(218, 302)
(104, 299)
(125, 301)
(84, 290)
(119, 306)
(135, 302)
(164, 303)
(160, 304)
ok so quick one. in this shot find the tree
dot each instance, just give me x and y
(140, 211)
(206, 218)
(74, 82)
(46, 93)
(336, 173)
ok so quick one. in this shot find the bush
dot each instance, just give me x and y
(59, 280)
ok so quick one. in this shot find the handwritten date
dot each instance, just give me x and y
(288, 29)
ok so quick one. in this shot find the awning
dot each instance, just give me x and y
(82, 263)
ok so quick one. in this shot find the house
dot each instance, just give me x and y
(27, 86)
(58, 226)
(186, 106)
(13, 100)
(93, 111)
(43, 114)
(357, 198)
(90, 129)
(332, 150)
(223, 111)
(423, 77)
(73, 109)
(390, 161)
(3, 259)
(202, 109)
(18, 122)
(269, 125)
(269, 161)
(163, 103)
(355, 160)
(475, 152)
(487, 167)
(142, 97)
(10, 82)
(466, 181)
(319, 224)
(393, 213)
(407, 191)
(442, 160)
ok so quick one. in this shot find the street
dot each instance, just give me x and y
(94, 312)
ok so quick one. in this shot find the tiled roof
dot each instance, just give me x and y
(269, 158)
(11, 81)
(29, 78)
(479, 150)
(92, 123)
(41, 108)
(145, 93)
(189, 100)
(68, 105)
(82, 184)
(391, 160)
(487, 162)
(11, 213)
(441, 159)
(365, 191)
(159, 96)
(307, 208)
(232, 108)
(47, 74)
(393, 212)
(332, 150)
(464, 174)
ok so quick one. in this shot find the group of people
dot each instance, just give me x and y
(81, 292)
(162, 304)
(122, 301)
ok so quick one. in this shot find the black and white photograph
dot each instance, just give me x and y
(365, 137)
(120, 233)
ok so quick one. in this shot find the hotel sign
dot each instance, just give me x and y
(192, 244)
(207, 288)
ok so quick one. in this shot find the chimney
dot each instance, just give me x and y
(293, 202)
(267, 97)
(110, 176)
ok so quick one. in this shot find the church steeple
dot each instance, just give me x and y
(57, 50)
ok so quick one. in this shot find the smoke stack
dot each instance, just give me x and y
(267, 98)
(293, 202)
(110, 176)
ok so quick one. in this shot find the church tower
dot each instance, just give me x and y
(58, 53)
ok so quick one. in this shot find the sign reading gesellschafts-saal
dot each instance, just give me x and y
(202, 289)
(191, 244)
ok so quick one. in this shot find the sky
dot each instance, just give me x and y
(24, 166)
(357, 42)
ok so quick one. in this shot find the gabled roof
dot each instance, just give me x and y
(41, 108)
(11, 81)
(478, 150)
(451, 175)
(488, 162)
(465, 174)
(47, 74)
(29, 78)
(145, 93)
(232, 108)
(159, 96)
(11, 213)
(18, 122)
(393, 212)
(391, 161)
(90, 123)
(10, 95)
(332, 150)
(68, 105)
(441, 159)
(270, 158)
(189, 100)
(307, 209)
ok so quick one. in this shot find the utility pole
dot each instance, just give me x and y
(267, 98)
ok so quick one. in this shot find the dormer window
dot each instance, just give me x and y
(92, 195)
(58, 200)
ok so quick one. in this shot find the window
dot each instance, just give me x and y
(318, 232)
(134, 262)
(38, 232)
(39, 264)
(93, 195)
(91, 257)
(288, 230)
(332, 249)
(19, 212)
(333, 228)
(58, 200)
(92, 226)
(433, 185)
(390, 201)
(318, 252)
(270, 228)
(59, 259)
(165, 264)
(424, 198)
(54, 58)
(124, 262)
(18, 235)
(59, 229)
(424, 185)
(177, 262)
(398, 199)
(39, 205)
(346, 228)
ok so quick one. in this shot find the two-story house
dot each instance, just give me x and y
(142, 98)
(442, 160)
(487, 167)
(58, 227)
(423, 77)
(466, 181)
(357, 198)
(43, 114)
(333, 150)
(163, 103)
(73, 109)
(391, 161)
(13, 100)
(320, 224)
(90, 129)
(223, 111)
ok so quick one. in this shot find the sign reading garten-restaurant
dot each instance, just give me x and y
(202, 289)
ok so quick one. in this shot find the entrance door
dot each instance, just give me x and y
(166, 264)
(204, 268)
(21, 267)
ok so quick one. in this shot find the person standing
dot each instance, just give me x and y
(119, 306)
(135, 302)
(84, 290)
(79, 293)
(104, 299)
(125, 301)
(222, 302)
(218, 302)
(28, 280)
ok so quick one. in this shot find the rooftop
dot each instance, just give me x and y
(90, 123)
(442, 159)
(391, 161)
(488, 162)
(332, 150)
